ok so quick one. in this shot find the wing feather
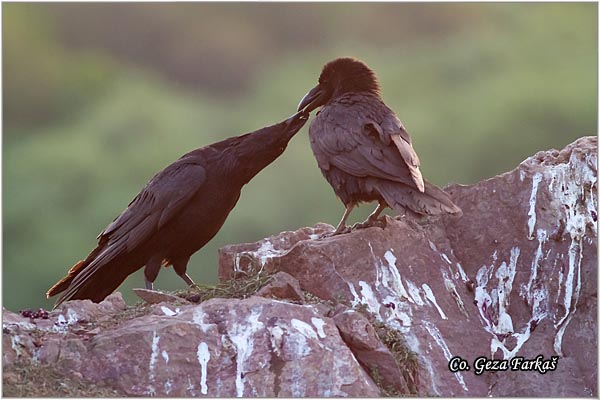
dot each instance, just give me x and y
(364, 148)
(162, 198)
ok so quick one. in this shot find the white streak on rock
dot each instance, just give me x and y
(437, 336)
(21, 324)
(462, 273)
(532, 200)
(356, 300)
(575, 258)
(573, 185)
(165, 356)
(62, 324)
(429, 296)
(304, 328)
(319, 323)
(72, 317)
(532, 288)
(451, 288)
(265, 252)
(521, 338)
(15, 343)
(432, 246)
(241, 336)
(381, 274)
(369, 298)
(398, 318)
(297, 344)
(506, 275)
(482, 298)
(395, 280)
(542, 237)
(445, 258)
(152, 364)
(560, 283)
(569, 281)
(167, 311)
(500, 296)
(504, 323)
(198, 319)
(168, 386)
(414, 293)
(276, 336)
(203, 357)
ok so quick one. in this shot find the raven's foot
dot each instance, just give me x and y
(338, 231)
(378, 222)
(369, 223)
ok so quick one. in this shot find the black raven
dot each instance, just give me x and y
(362, 148)
(178, 212)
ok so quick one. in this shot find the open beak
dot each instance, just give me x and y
(316, 97)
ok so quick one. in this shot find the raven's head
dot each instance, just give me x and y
(342, 75)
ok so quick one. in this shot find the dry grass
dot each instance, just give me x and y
(241, 286)
(27, 379)
(406, 359)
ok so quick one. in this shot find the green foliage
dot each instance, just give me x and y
(91, 112)
(43, 82)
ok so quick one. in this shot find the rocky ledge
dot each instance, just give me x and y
(375, 311)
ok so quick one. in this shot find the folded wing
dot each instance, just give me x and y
(157, 204)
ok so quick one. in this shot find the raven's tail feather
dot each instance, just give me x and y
(89, 280)
(433, 201)
(64, 283)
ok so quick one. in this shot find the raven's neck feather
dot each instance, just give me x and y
(249, 154)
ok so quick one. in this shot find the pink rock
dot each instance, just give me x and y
(515, 276)
(361, 338)
(282, 286)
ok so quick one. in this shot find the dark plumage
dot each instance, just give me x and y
(362, 148)
(178, 212)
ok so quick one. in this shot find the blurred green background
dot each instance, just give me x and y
(99, 97)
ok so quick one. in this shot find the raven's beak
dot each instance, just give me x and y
(298, 119)
(316, 97)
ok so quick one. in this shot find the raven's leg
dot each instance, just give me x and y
(375, 214)
(151, 271)
(341, 228)
(180, 267)
(372, 220)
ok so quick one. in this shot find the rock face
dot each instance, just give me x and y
(515, 276)
(221, 348)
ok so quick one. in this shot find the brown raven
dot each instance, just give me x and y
(178, 212)
(362, 148)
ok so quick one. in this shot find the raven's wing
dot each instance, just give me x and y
(393, 128)
(162, 198)
(351, 140)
